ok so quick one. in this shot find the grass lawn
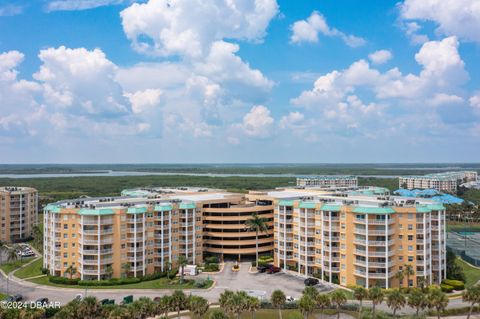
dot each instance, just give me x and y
(162, 283)
(10, 266)
(459, 226)
(3, 296)
(34, 269)
(472, 274)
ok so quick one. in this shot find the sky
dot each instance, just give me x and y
(239, 81)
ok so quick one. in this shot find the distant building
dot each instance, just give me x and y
(446, 182)
(18, 213)
(327, 181)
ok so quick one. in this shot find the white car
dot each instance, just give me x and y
(290, 299)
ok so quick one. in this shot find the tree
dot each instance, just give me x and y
(306, 305)
(89, 308)
(71, 270)
(12, 255)
(256, 224)
(472, 295)
(118, 313)
(3, 248)
(395, 300)
(38, 238)
(400, 275)
(311, 291)
(197, 305)
(224, 300)
(278, 301)
(238, 303)
(408, 272)
(217, 314)
(375, 294)
(126, 267)
(177, 301)
(182, 262)
(338, 298)
(142, 308)
(417, 300)
(323, 301)
(163, 305)
(437, 300)
(360, 293)
(252, 305)
(109, 271)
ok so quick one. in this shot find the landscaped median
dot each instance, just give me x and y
(13, 265)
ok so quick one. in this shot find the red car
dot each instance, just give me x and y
(273, 269)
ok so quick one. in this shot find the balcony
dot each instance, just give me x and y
(97, 242)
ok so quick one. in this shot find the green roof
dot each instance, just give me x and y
(285, 203)
(436, 207)
(161, 208)
(308, 205)
(137, 210)
(373, 210)
(52, 208)
(332, 208)
(88, 211)
(187, 205)
(423, 209)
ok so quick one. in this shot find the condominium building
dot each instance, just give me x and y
(357, 239)
(18, 213)
(148, 230)
(446, 182)
(328, 181)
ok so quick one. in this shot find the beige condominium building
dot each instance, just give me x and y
(18, 213)
(327, 181)
(354, 239)
(146, 230)
(446, 182)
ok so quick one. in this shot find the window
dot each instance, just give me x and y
(74, 235)
(65, 255)
(410, 248)
(410, 227)
(65, 226)
(410, 237)
(410, 216)
(343, 256)
(73, 245)
(400, 237)
(344, 266)
(410, 258)
(400, 247)
(65, 235)
(65, 245)
(400, 226)
(400, 258)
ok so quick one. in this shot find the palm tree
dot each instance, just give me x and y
(163, 305)
(375, 294)
(278, 301)
(118, 313)
(323, 301)
(360, 293)
(256, 224)
(3, 248)
(400, 275)
(311, 291)
(338, 298)
(177, 301)
(408, 272)
(472, 295)
(142, 308)
(395, 300)
(89, 308)
(197, 305)
(306, 305)
(224, 300)
(126, 267)
(38, 238)
(71, 270)
(182, 262)
(438, 300)
(217, 314)
(238, 303)
(417, 300)
(109, 271)
(252, 305)
(12, 255)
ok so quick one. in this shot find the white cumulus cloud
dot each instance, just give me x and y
(380, 56)
(309, 29)
(257, 122)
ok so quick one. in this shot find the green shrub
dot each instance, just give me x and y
(211, 260)
(202, 283)
(211, 267)
(456, 284)
(172, 273)
(109, 282)
(63, 280)
(154, 276)
(44, 270)
(446, 288)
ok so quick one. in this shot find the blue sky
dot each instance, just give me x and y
(87, 81)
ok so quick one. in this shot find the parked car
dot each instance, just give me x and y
(262, 269)
(42, 301)
(78, 297)
(273, 269)
(311, 282)
(290, 299)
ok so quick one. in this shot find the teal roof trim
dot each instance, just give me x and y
(285, 203)
(436, 207)
(423, 209)
(373, 210)
(87, 211)
(187, 205)
(137, 210)
(331, 208)
(162, 208)
(307, 205)
(52, 208)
